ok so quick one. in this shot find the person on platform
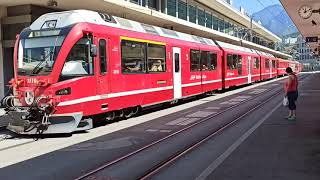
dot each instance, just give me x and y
(291, 91)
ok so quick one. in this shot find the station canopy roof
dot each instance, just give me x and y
(305, 14)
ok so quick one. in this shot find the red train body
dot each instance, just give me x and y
(71, 67)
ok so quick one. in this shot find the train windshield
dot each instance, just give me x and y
(36, 56)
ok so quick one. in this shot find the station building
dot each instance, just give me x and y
(215, 19)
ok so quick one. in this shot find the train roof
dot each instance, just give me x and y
(67, 18)
(265, 54)
(235, 47)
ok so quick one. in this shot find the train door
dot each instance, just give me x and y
(102, 76)
(249, 69)
(176, 57)
(270, 68)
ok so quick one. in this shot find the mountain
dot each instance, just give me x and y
(276, 20)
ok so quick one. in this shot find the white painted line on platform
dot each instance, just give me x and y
(200, 114)
(204, 175)
(244, 97)
(213, 108)
(175, 122)
(152, 130)
(165, 130)
(189, 121)
(43, 146)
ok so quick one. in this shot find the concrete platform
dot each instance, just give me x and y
(3, 119)
(274, 148)
(280, 149)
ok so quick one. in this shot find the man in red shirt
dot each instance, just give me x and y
(291, 91)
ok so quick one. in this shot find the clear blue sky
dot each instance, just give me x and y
(252, 6)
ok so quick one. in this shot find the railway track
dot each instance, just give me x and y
(175, 156)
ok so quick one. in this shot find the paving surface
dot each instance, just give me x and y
(276, 149)
(3, 119)
(280, 149)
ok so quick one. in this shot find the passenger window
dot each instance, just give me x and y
(176, 62)
(103, 56)
(156, 58)
(256, 63)
(274, 64)
(78, 62)
(267, 63)
(234, 61)
(194, 60)
(230, 64)
(204, 60)
(208, 61)
(133, 55)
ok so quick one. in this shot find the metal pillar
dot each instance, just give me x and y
(2, 84)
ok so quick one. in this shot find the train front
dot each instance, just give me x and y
(40, 56)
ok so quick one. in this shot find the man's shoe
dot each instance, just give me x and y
(292, 118)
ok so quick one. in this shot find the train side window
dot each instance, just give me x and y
(78, 62)
(256, 63)
(239, 64)
(103, 56)
(208, 61)
(156, 58)
(274, 64)
(212, 61)
(194, 60)
(133, 57)
(204, 60)
(235, 61)
(230, 64)
(267, 63)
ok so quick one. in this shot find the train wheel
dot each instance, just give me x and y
(110, 116)
(136, 110)
(128, 113)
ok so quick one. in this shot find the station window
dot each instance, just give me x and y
(133, 55)
(153, 4)
(172, 7)
(208, 61)
(192, 14)
(103, 56)
(194, 60)
(208, 20)
(274, 64)
(156, 58)
(256, 63)
(78, 62)
(267, 63)
(182, 10)
(221, 25)
(215, 23)
(201, 17)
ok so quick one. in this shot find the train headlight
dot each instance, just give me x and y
(29, 97)
(65, 91)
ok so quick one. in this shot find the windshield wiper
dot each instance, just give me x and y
(37, 68)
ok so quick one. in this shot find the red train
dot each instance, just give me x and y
(73, 66)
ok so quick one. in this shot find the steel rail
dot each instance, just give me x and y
(113, 162)
(192, 147)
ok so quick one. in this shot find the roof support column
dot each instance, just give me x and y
(3, 12)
